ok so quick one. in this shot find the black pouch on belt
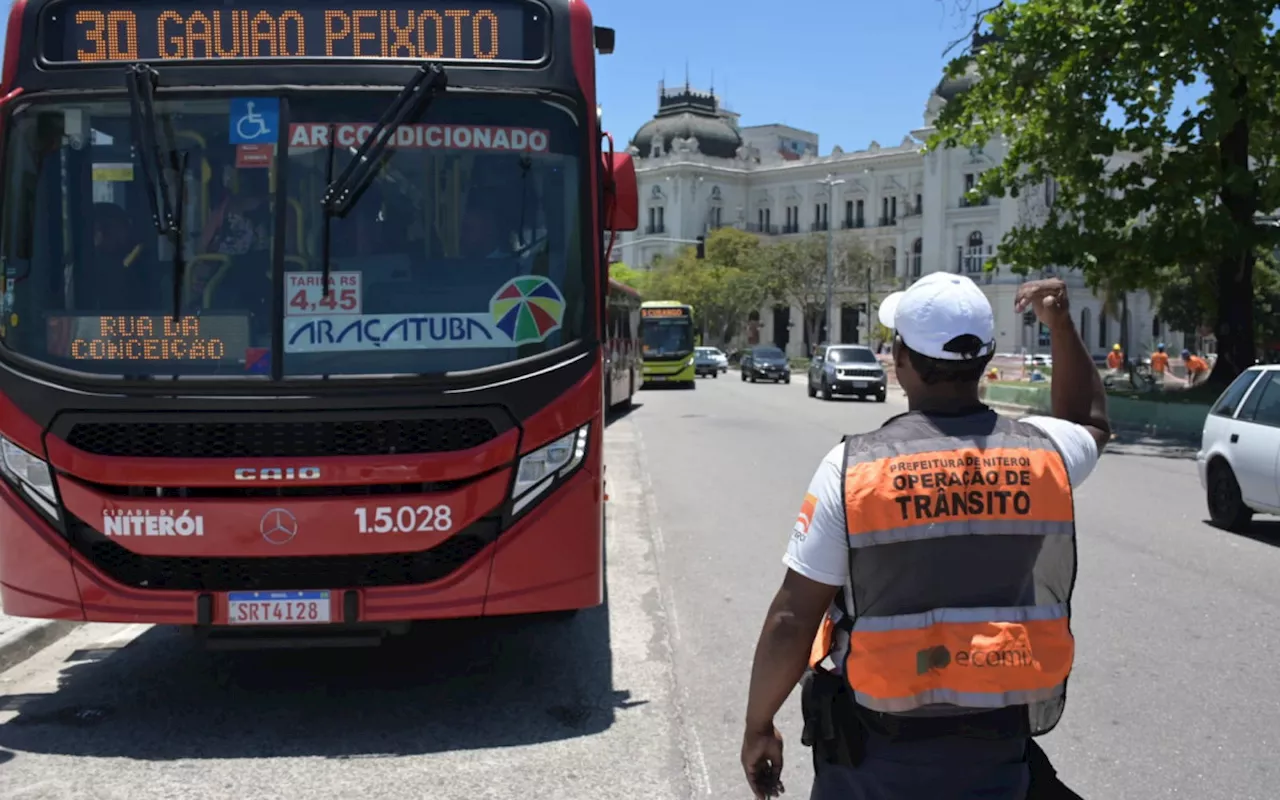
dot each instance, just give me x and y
(830, 726)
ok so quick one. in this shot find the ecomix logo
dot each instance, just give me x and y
(939, 657)
(932, 658)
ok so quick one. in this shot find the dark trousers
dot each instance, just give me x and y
(946, 768)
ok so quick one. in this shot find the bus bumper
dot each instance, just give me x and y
(551, 560)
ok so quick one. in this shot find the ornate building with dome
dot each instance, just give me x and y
(699, 169)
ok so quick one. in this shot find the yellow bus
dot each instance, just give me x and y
(666, 329)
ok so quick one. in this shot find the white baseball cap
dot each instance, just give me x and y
(937, 309)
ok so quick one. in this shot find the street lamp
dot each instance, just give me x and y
(831, 181)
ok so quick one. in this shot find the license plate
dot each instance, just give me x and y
(657, 377)
(278, 608)
(859, 384)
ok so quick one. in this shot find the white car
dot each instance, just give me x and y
(1239, 458)
(710, 356)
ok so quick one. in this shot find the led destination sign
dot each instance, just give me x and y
(97, 32)
(212, 339)
(661, 313)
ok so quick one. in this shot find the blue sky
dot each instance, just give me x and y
(849, 70)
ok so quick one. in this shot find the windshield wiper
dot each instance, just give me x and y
(346, 190)
(166, 212)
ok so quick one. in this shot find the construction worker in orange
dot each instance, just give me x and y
(1197, 367)
(925, 610)
(1115, 359)
(1159, 362)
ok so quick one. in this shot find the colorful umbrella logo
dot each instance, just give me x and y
(527, 309)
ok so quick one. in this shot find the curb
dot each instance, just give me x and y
(30, 638)
(1148, 431)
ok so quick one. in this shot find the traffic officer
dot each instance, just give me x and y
(926, 603)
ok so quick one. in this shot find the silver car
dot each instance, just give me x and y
(847, 369)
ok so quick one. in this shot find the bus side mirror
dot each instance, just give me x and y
(622, 211)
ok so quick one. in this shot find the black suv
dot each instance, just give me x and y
(766, 364)
(846, 369)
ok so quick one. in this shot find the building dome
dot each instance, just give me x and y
(686, 114)
(950, 88)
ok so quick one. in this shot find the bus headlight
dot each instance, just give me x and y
(543, 467)
(30, 474)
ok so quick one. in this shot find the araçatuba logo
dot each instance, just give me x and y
(527, 309)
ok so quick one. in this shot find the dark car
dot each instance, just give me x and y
(766, 364)
(846, 369)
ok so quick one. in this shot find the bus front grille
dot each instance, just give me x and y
(280, 439)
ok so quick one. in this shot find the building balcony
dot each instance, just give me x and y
(965, 202)
(818, 227)
(850, 224)
(654, 230)
(767, 230)
(913, 210)
(790, 229)
(886, 222)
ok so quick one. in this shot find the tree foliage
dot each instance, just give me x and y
(1086, 92)
(636, 279)
(1187, 303)
(797, 274)
(740, 274)
(722, 288)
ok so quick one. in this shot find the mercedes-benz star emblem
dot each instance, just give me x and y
(278, 526)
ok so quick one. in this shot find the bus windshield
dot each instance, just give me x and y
(668, 337)
(465, 252)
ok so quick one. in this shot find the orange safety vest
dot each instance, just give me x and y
(961, 534)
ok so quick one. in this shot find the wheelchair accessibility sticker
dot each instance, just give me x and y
(255, 120)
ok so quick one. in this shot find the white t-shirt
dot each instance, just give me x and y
(821, 553)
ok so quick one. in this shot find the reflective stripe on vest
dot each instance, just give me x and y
(977, 658)
(989, 500)
(997, 484)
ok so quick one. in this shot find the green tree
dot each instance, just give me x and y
(1186, 300)
(722, 288)
(795, 272)
(634, 278)
(1152, 185)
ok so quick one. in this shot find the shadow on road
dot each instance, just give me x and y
(446, 686)
(1262, 531)
(620, 412)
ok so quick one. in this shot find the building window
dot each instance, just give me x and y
(893, 209)
(917, 256)
(968, 181)
(919, 204)
(716, 215)
(884, 207)
(848, 213)
(817, 213)
(1102, 329)
(1155, 327)
(859, 214)
(1084, 321)
(768, 217)
(760, 218)
(975, 254)
(825, 216)
(890, 265)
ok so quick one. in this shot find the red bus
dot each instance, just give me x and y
(304, 312)
(622, 346)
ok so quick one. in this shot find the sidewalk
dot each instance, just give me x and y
(21, 638)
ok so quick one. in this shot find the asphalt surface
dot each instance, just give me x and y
(1174, 693)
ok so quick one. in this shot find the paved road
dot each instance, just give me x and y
(1172, 697)
(1174, 694)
